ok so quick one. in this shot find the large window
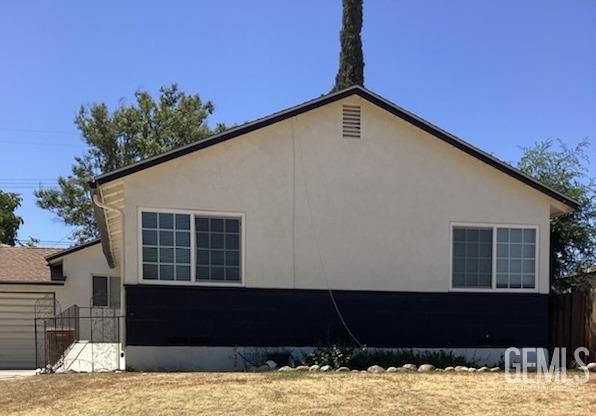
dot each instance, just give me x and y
(189, 247)
(488, 257)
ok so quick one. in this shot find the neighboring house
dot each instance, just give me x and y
(345, 219)
(42, 282)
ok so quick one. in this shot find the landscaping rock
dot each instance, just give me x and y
(302, 368)
(314, 368)
(391, 370)
(483, 369)
(286, 368)
(342, 369)
(426, 368)
(591, 367)
(495, 369)
(461, 368)
(409, 367)
(325, 368)
(439, 370)
(449, 369)
(355, 371)
(375, 369)
(472, 370)
(271, 364)
(402, 370)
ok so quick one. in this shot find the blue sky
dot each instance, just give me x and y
(498, 74)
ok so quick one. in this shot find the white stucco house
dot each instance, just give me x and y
(45, 282)
(344, 219)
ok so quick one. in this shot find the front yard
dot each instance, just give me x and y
(293, 393)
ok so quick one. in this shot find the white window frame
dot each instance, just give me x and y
(109, 294)
(193, 247)
(493, 287)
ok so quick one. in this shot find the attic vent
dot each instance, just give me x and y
(351, 121)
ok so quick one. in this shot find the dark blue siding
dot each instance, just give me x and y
(174, 315)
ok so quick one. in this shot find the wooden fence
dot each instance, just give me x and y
(573, 322)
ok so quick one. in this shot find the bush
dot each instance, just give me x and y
(363, 358)
(336, 356)
(360, 359)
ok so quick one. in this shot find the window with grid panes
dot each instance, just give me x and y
(166, 246)
(218, 248)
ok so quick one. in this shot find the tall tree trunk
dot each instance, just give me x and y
(351, 59)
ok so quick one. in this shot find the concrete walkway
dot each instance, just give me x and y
(12, 374)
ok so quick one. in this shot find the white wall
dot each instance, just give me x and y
(79, 267)
(379, 209)
(87, 357)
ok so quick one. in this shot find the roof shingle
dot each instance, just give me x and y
(25, 264)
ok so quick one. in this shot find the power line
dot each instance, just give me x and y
(28, 183)
(27, 187)
(62, 243)
(39, 143)
(34, 182)
(41, 131)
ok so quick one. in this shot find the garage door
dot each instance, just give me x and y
(17, 329)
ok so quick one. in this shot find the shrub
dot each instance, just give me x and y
(360, 359)
(364, 358)
(336, 356)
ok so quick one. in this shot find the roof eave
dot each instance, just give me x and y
(326, 99)
(71, 250)
(33, 282)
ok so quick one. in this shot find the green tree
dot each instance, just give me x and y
(351, 59)
(573, 236)
(9, 220)
(116, 139)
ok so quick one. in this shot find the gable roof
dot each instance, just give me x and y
(25, 265)
(62, 253)
(324, 100)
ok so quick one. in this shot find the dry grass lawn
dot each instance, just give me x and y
(342, 394)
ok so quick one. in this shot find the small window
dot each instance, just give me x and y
(351, 121)
(57, 272)
(218, 249)
(100, 296)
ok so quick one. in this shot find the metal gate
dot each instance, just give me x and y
(80, 339)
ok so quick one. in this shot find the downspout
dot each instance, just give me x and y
(122, 317)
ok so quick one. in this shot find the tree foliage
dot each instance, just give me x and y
(9, 220)
(116, 139)
(351, 58)
(573, 236)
